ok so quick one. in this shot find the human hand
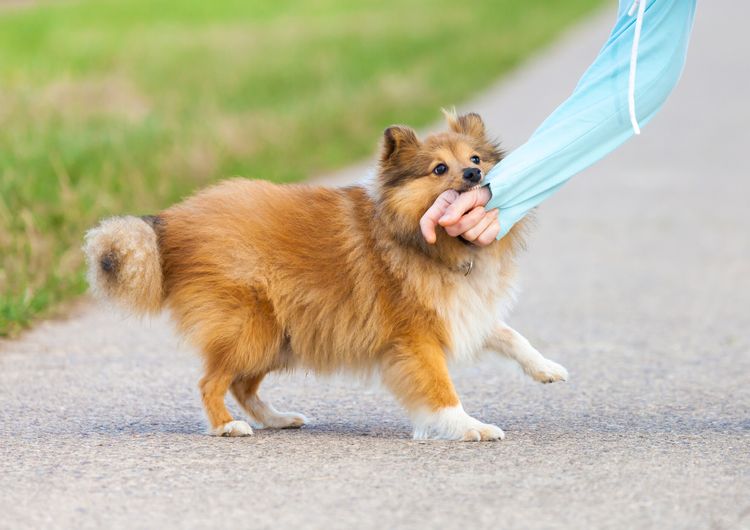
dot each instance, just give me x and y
(462, 214)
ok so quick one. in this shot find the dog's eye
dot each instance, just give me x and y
(440, 169)
(475, 159)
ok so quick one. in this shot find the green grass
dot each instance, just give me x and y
(109, 107)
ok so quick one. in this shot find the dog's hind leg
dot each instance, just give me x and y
(509, 342)
(262, 414)
(237, 334)
(214, 386)
(418, 375)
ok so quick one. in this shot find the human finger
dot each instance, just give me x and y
(466, 222)
(429, 220)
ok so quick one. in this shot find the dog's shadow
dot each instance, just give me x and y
(654, 425)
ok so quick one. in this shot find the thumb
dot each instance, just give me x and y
(429, 220)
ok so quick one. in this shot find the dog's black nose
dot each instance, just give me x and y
(472, 174)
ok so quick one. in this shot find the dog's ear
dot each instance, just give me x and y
(396, 138)
(470, 124)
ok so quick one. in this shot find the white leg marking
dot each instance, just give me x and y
(265, 416)
(233, 428)
(452, 423)
(509, 342)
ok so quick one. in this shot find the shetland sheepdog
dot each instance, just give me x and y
(263, 277)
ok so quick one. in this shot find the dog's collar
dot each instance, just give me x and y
(466, 267)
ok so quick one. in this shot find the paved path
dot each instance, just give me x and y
(637, 279)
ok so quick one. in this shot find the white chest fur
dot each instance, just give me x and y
(477, 303)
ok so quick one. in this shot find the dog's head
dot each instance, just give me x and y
(414, 172)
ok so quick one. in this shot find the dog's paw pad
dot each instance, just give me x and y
(233, 428)
(549, 372)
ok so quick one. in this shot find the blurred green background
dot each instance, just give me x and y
(108, 107)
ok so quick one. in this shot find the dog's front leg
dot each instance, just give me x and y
(416, 372)
(509, 342)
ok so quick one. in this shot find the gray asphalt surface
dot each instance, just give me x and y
(637, 280)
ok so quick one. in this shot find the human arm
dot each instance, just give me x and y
(595, 119)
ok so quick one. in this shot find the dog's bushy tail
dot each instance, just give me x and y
(124, 265)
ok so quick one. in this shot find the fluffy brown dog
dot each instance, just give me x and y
(263, 277)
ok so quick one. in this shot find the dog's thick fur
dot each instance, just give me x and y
(262, 277)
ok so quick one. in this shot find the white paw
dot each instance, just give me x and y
(483, 432)
(548, 372)
(264, 416)
(452, 423)
(233, 428)
(284, 420)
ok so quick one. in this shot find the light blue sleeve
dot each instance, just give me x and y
(595, 119)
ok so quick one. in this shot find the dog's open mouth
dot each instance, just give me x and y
(469, 188)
